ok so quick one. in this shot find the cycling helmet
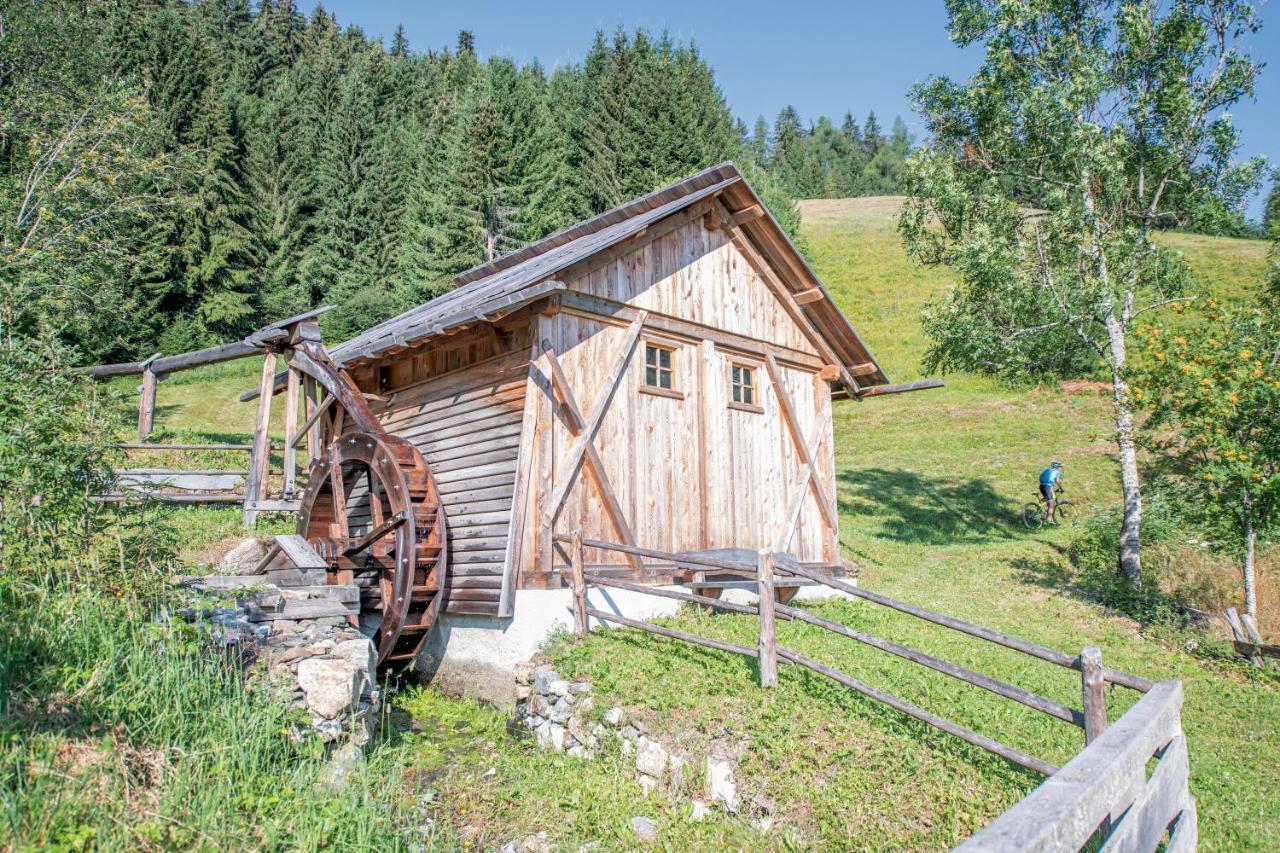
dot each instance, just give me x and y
(1056, 464)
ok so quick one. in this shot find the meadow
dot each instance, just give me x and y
(929, 485)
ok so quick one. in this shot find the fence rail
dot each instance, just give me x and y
(1117, 803)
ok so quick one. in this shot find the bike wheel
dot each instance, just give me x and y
(1033, 516)
(1065, 513)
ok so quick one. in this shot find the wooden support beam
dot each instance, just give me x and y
(866, 368)
(291, 432)
(747, 214)
(813, 294)
(313, 427)
(572, 463)
(804, 451)
(607, 310)
(256, 488)
(800, 489)
(903, 388)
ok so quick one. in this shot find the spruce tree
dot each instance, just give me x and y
(215, 244)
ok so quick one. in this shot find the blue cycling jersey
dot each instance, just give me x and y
(1049, 476)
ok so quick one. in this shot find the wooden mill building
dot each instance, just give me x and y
(659, 375)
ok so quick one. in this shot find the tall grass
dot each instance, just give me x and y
(119, 730)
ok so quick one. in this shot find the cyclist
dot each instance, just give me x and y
(1050, 485)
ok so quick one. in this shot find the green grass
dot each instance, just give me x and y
(928, 486)
(117, 732)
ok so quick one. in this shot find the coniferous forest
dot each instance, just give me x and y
(176, 173)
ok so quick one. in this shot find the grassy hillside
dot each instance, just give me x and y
(928, 488)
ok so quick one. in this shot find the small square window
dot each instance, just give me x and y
(743, 384)
(658, 370)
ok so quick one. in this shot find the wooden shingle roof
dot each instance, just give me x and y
(529, 273)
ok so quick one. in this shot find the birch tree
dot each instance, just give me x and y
(1088, 125)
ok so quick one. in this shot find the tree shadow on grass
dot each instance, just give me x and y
(926, 510)
(1049, 572)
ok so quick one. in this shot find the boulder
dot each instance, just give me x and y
(651, 757)
(359, 652)
(331, 685)
(646, 829)
(244, 558)
(543, 678)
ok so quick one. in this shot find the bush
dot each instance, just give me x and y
(53, 424)
(1093, 553)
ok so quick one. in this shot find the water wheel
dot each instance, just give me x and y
(372, 511)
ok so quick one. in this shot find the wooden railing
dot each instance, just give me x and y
(188, 486)
(1102, 792)
(249, 487)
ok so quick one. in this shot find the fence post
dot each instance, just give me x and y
(147, 400)
(261, 455)
(579, 585)
(1093, 690)
(768, 636)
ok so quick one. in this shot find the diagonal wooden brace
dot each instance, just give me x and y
(806, 451)
(573, 460)
(592, 461)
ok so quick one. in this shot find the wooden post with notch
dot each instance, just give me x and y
(291, 395)
(579, 585)
(768, 635)
(1093, 690)
(147, 400)
(261, 454)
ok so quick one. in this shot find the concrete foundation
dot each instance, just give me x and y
(476, 656)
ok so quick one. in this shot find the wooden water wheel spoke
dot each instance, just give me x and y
(374, 535)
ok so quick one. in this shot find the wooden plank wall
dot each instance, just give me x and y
(697, 275)
(690, 473)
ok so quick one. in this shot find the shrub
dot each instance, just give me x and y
(1093, 553)
(53, 425)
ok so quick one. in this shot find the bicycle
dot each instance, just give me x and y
(1035, 513)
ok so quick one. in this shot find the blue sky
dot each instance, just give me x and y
(823, 58)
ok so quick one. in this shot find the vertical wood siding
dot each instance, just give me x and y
(690, 473)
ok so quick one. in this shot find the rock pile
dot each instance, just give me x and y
(320, 666)
(557, 712)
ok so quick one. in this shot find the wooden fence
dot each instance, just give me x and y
(248, 486)
(1102, 794)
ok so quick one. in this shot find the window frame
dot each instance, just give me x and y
(673, 349)
(755, 406)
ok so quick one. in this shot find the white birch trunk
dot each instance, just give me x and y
(1129, 558)
(1250, 582)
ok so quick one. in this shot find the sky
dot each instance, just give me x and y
(822, 58)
